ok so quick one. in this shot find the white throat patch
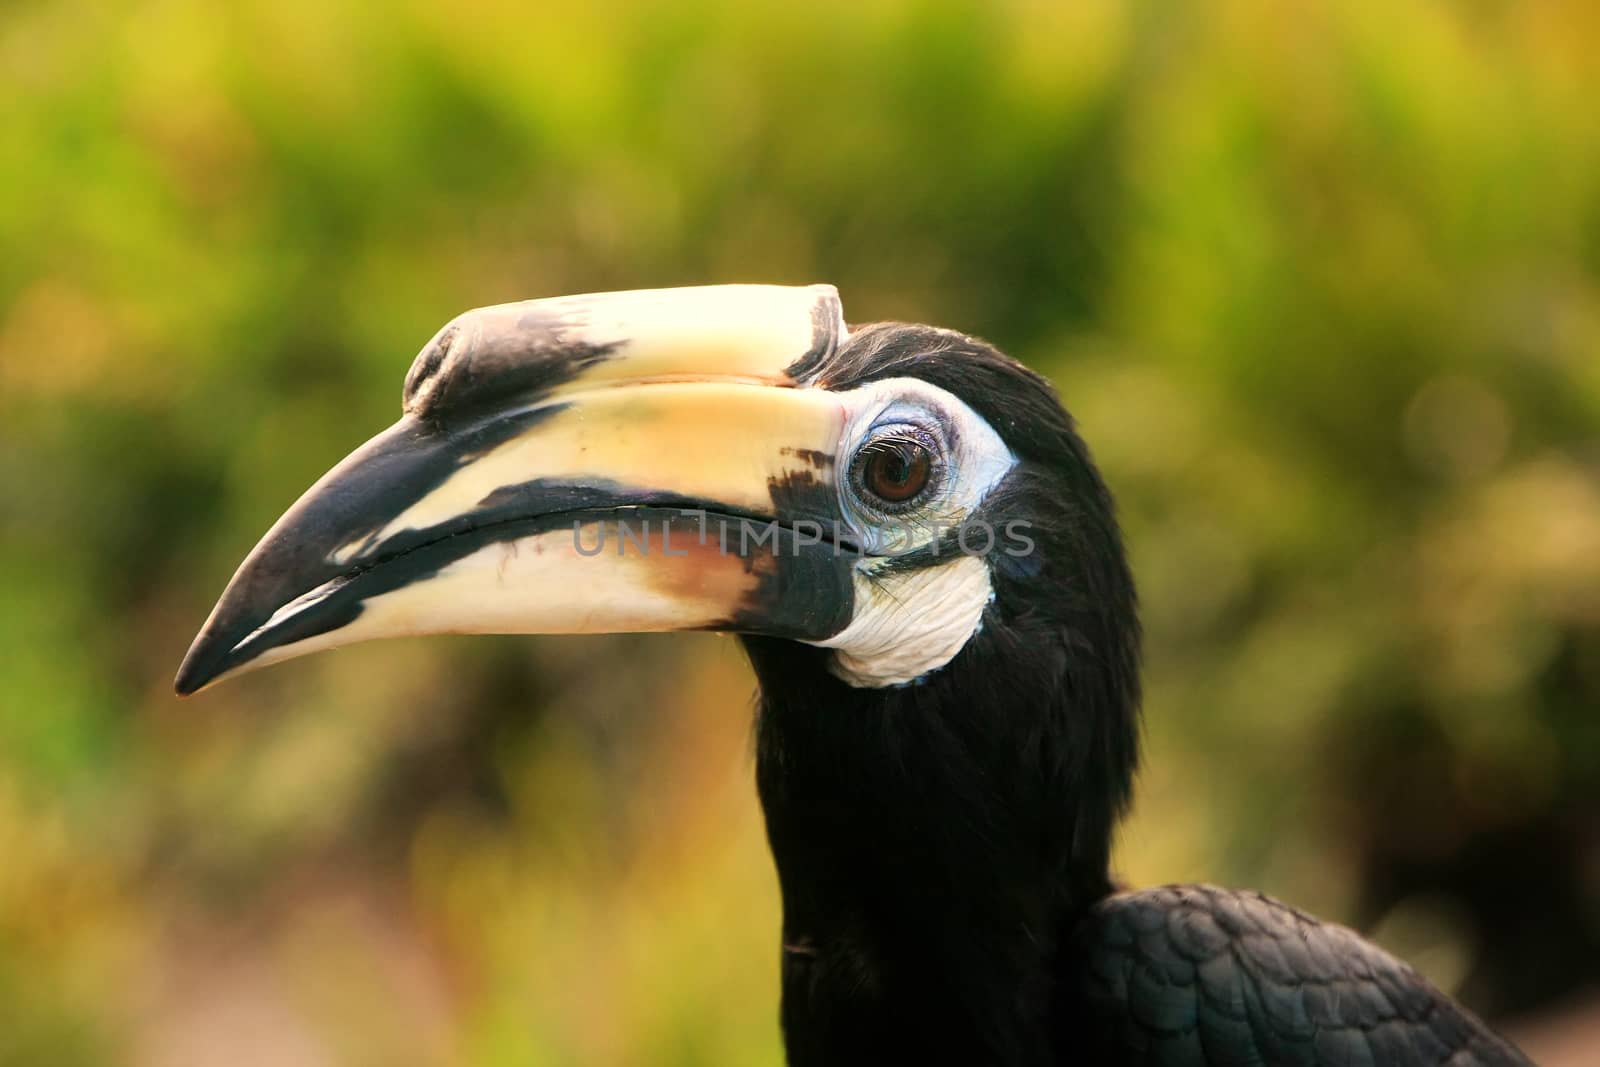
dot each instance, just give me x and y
(909, 623)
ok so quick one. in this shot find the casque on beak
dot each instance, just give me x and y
(670, 427)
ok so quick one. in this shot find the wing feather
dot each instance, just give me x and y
(1195, 975)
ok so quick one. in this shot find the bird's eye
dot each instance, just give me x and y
(894, 470)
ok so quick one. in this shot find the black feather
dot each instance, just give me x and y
(1200, 975)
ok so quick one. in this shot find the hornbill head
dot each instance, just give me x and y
(883, 501)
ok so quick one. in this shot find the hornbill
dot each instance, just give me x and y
(923, 565)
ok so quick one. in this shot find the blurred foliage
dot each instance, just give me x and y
(1321, 280)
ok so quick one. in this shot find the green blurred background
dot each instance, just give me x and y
(1321, 281)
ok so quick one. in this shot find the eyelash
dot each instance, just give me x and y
(913, 435)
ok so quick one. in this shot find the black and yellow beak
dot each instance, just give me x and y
(619, 462)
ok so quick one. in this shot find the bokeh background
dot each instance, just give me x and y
(1321, 281)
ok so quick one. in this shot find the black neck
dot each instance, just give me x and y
(934, 843)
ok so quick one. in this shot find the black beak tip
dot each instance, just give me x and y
(188, 681)
(199, 668)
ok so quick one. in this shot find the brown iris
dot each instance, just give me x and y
(895, 470)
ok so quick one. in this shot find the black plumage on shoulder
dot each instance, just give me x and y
(1193, 974)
